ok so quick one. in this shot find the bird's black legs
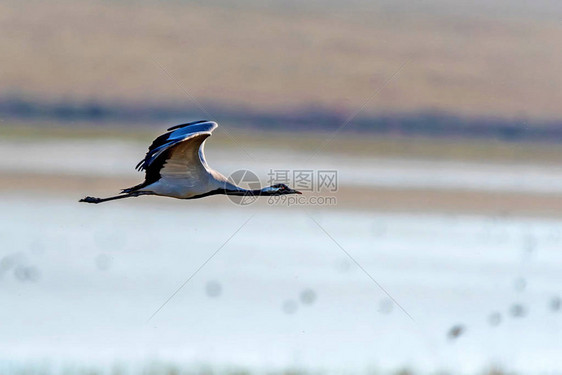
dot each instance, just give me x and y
(101, 200)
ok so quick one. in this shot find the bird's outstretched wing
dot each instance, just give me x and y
(177, 153)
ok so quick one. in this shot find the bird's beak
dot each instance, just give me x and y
(296, 192)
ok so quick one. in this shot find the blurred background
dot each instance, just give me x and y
(437, 252)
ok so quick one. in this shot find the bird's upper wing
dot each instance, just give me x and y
(177, 153)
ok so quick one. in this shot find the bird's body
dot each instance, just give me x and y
(175, 166)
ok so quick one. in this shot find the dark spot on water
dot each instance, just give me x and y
(213, 289)
(26, 273)
(404, 371)
(555, 304)
(6, 263)
(455, 331)
(517, 310)
(290, 307)
(308, 296)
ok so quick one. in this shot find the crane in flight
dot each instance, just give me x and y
(175, 167)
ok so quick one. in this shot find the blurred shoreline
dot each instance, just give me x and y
(434, 124)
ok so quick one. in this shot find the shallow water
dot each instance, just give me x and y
(80, 282)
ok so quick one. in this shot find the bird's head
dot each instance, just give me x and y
(280, 189)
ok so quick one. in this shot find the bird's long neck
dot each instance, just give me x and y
(239, 191)
(228, 188)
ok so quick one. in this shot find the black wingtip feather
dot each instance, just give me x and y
(187, 124)
(140, 165)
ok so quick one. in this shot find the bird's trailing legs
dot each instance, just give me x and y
(101, 200)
